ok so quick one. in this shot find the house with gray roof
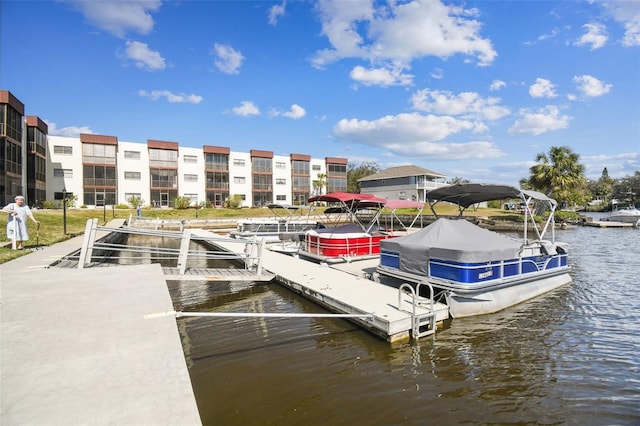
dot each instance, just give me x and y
(402, 182)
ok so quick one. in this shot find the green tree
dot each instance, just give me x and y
(560, 175)
(627, 189)
(320, 184)
(604, 186)
(457, 180)
(357, 172)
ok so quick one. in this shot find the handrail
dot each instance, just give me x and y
(415, 324)
(250, 256)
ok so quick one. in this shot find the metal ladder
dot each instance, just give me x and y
(421, 324)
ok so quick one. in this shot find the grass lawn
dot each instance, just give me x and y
(51, 228)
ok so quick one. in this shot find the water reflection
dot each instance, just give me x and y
(569, 357)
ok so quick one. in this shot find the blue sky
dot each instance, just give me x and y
(473, 90)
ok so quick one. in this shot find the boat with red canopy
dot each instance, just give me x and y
(358, 235)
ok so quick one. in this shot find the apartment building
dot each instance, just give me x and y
(101, 170)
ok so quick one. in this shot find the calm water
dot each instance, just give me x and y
(569, 357)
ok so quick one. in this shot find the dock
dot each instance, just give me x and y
(608, 224)
(346, 289)
(77, 349)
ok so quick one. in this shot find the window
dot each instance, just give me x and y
(190, 159)
(132, 175)
(281, 198)
(261, 165)
(163, 158)
(239, 179)
(262, 183)
(133, 155)
(62, 150)
(163, 178)
(299, 167)
(316, 167)
(217, 161)
(98, 154)
(281, 181)
(238, 162)
(218, 179)
(280, 165)
(63, 173)
(337, 170)
(190, 178)
(301, 183)
(94, 175)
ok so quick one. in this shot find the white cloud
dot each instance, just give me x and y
(542, 88)
(119, 17)
(497, 85)
(228, 60)
(143, 57)
(618, 165)
(399, 32)
(590, 86)
(596, 36)
(536, 123)
(276, 12)
(447, 151)
(172, 98)
(437, 73)
(380, 77)
(296, 112)
(466, 104)
(70, 131)
(415, 135)
(627, 13)
(246, 109)
(402, 128)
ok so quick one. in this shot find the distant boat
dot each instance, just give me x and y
(287, 220)
(474, 270)
(629, 214)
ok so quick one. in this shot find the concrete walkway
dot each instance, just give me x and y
(76, 347)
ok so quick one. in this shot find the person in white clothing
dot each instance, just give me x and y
(17, 221)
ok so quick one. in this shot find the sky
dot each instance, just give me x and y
(472, 90)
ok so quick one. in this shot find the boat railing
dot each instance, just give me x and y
(422, 324)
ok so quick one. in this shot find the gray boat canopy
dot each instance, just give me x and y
(468, 194)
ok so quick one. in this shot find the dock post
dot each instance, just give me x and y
(260, 250)
(87, 243)
(184, 251)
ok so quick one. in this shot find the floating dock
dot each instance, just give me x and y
(609, 224)
(345, 289)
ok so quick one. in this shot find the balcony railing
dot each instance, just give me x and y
(100, 182)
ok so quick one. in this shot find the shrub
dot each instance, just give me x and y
(233, 202)
(135, 201)
(182, 202)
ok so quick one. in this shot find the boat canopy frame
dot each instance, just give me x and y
(466, 195)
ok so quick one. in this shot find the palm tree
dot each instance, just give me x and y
(320, 183)
(560, 176)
